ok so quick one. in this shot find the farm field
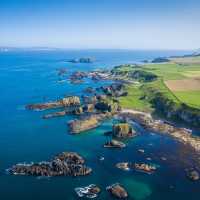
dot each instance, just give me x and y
(184, 85)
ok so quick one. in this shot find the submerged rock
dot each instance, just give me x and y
(64, 164)
(90, 90)
(62, 71)
(123, 130)
(65, 102)
(117, 191)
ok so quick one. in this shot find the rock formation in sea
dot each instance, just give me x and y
(123, 130)
(89, 122)
(82, 60)
(75, 110)
(193, 175)
(64, 164)
(117, 191)
(65, 102)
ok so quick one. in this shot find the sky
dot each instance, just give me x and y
(120, 24)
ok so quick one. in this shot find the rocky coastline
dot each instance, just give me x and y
(148, 122)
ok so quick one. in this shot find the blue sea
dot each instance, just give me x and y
(31, 77)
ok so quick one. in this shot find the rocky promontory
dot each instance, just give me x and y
(64, 164)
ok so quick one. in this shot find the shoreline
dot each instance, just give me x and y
(146, 120)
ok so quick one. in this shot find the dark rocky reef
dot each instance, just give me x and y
(117, 191)
(64, 164)
(73, 110)
(82, 60)
(65, 102)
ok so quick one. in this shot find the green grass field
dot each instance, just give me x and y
(166, 71)
(135, 100)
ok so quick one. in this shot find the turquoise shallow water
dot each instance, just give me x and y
(27, 77)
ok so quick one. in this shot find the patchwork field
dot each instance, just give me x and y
(187, 60)
(184, 85)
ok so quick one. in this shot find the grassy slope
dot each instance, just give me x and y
(191, 98)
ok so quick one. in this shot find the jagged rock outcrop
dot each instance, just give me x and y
(65, 102)
(115, 90)
(123, 130)
(64, 164)
(105, 106)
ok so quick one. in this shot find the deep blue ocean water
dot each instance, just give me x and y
(30, 77)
